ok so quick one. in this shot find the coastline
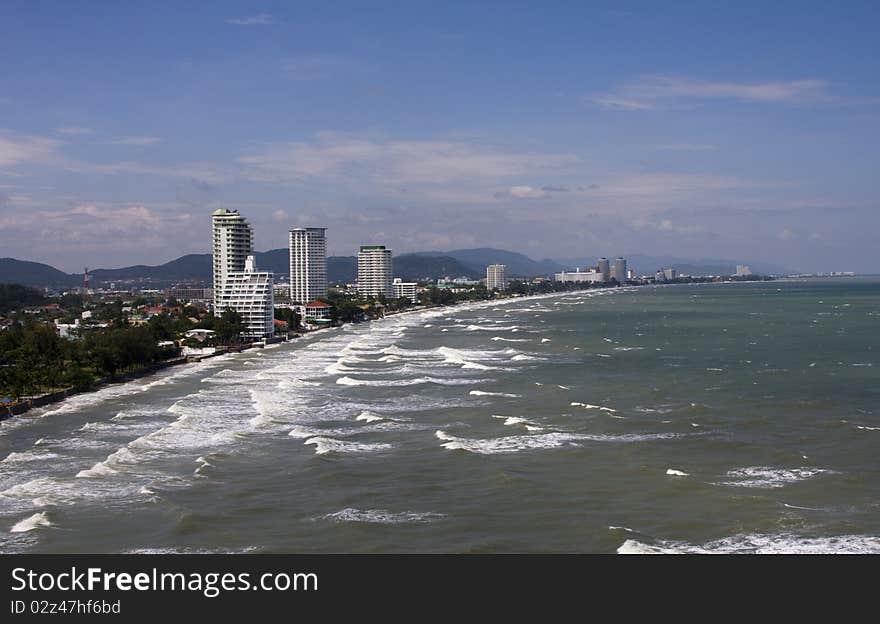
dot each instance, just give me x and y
(59, 396)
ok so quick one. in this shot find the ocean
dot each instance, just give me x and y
(723, 418)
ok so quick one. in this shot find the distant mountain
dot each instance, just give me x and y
(192, 266)
(647, 265)
(14, 271)
(518, 265)
(341, 269)
(420, 267)
(198, 267)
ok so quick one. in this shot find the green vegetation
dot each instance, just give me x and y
(34, 359)
(15, 296)
(288, 316)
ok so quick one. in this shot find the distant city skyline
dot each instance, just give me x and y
(747, 132)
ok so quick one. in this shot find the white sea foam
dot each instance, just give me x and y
(500, 339)
(98, 470)
(511, 421)
(761, 544)
(768, 477)
(289, 384)
(30, 523)
(368, 416)
(337, 368)
(545, 340)
(382, 516)
(350, 381)
(325, 445)
(513, 444)
(591, 406)
(492, 328)
(498, 394)
(524, 358)
(454, 356)
(672, 472)
(28, 456)
(866, 428)
(390, 358)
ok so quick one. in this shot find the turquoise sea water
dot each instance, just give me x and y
(721, 418)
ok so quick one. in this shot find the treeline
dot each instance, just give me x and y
(35, 360)
(15, 296)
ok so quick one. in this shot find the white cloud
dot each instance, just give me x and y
(396, 163)
(18, 149)
(524, 192)
(140, 141)
(74, 130)
(649, 92)
(199, 172)
(280, 216)
(95, 228)
(254, 20)
(616, 102)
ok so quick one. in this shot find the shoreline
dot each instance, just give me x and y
(59, 396)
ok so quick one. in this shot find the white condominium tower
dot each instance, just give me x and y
(374, 271)
(250, 293)
(604, 269)
(233, 242)
(237, 283)
(495, 277)
(308, 264)
(618, 270)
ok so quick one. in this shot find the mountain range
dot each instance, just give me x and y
(343, 269)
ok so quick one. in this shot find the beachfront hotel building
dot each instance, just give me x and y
(618, 270)
(374, 271)
(605, 269)
(238, 285)
(495, 277)
(591, 276)
(409, 290)
(308, 264)
(250, 293)
(232, 242)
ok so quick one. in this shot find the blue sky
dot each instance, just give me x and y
(708, 129)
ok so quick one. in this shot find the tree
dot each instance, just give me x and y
(289, 316)
(229, 327)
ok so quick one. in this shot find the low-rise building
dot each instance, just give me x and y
(317, 311)
(200, 334)
(409, 290)
(591, 276)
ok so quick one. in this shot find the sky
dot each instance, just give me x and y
(745, 131)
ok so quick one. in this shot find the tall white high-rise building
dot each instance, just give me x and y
(232, 242)
(495, 277)
(618, 270)
(374, 271)
(250, 293)
(237, 283)
(604, 269)
(308, 264)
